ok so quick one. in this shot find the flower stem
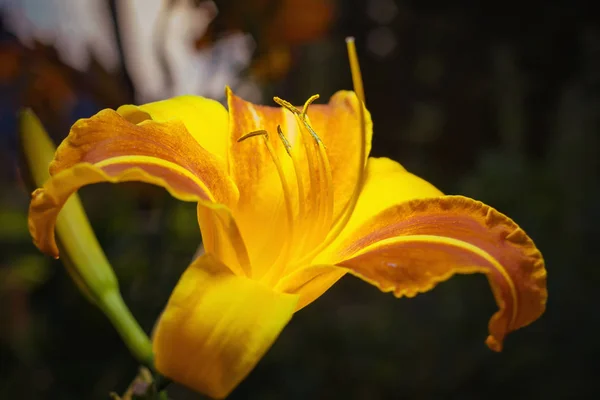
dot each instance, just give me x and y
(133, 336)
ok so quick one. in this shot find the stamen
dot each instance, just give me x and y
(287, 194)
(286, 143)
(299, 185)
(302, 114)
(297, 170)
(310, 100)
(260, 132)
(311, 130)
(286, 104)
(321, 198)
(326, 213)
(313, 174)
(313, 194)
(328, 179)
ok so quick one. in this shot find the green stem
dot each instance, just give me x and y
(126, 325)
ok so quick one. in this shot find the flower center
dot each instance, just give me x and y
(309, 222)
(311, 226)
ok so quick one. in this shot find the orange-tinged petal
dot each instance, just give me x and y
(386, 184)
(107, 148)
(205, 119)
(217, 326)
(48, 201)
(411, 247)
(108, 135)
(261, 203)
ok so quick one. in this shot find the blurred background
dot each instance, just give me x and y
(497, 102)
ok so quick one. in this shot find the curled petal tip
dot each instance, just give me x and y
(438, 237)
(493, 344)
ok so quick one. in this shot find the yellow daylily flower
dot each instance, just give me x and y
(288, 203)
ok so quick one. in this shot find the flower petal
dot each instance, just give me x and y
(411, 247)
(107, 148)
(386, 184)
(250, 164)
(217, 326)
(109, 135)
(310, 283)
(205, 119)
(221, 237)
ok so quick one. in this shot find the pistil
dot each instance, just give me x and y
(346, 213)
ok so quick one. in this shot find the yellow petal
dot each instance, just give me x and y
(261, 205)
(217, 326)
(205, 119)
(386, 184)
(107, 148)
(411, 247)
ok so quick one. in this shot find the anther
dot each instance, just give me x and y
(302, 114)
(286, 104)
(297, 173)
(260, 132)
(310, 100)
(286, 143)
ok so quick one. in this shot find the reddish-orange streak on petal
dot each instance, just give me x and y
(108, 135)
(410, 248)
(47, 202)
(177, 181)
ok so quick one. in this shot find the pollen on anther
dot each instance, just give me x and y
(260, 132)
(286, 143)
